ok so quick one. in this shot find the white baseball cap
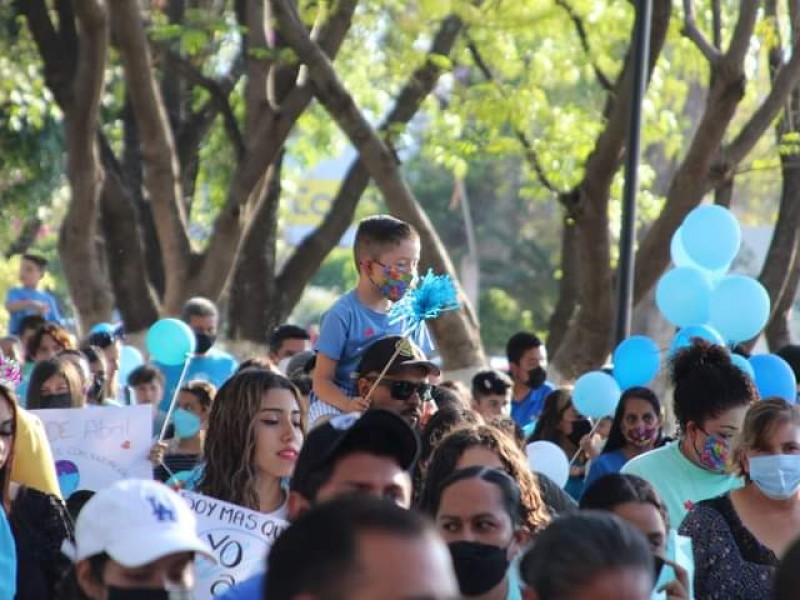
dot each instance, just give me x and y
(135, 522)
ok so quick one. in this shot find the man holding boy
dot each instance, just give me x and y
(386, 255)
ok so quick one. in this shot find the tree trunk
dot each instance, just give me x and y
(781, 270)
(779, 331)
(457, 333)
(161, 176)
(137, 300)
(89, 288)
(254, 310)
(587, 342)
(568, 287)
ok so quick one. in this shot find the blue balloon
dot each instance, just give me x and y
(681, 259)
(636, 361)
(739, 308)
(711, 236)
(684, 337)
(170, 341)
(741, 362)
(596, 395)
(129, 359)
(682, 295)
(774, 377)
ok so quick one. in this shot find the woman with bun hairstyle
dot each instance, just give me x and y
(711, 397)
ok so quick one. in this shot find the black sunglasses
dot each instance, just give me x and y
(403, 390)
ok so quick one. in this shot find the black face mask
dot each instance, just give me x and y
(580, 428)
(204, 342)
(96, 391)
(479, 567)
(115, 593)
(57, 401)
(537, 377)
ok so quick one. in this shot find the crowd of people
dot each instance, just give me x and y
(394, 482)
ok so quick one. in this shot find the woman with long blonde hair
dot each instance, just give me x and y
(255, 431)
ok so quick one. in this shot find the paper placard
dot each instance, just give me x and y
(239, 538)
(96, 446)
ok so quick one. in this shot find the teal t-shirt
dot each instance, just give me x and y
(679, 482)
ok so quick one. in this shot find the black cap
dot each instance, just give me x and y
(490, 382)
(301, 364)
(349, 433)
(379, 353)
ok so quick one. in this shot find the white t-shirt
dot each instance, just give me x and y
(680, 483)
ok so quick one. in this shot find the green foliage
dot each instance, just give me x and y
(31, 137)
(337, 272)
(501, 317)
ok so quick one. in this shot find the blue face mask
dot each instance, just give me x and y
(187, 424)
(776, 475)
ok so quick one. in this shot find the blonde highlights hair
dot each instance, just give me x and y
(230, 472)
(760, 422)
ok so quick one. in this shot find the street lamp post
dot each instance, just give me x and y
(641, 53)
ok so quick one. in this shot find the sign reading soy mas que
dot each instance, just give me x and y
(239, 539)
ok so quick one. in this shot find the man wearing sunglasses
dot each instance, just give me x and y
(404, 387)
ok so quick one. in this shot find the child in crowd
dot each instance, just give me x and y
(181, 453)
(386, 256)
(28, 299)
(491, 394)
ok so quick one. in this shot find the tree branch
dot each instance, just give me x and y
(219, 92)
(77, 239)
(742, 32)
(580, 29)
(458, 330)
(58, 59)
(530, 153)
(304, 261)
(693, 33)
(264, 142)
(161, 176)
(784, 81)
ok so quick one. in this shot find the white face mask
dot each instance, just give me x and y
(283, 365)
(776, 475)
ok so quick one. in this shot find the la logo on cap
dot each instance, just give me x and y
(161, 512)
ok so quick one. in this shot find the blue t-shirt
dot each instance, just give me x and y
(529, 408)
(8, 560)
(348, 329)
(249, 589)
(605, 464)
(19, 294)
(215, 367)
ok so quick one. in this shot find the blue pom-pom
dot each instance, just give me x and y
(433, 295)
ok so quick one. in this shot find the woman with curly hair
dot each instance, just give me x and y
(255, 430)
(710, 399)
(485, 446)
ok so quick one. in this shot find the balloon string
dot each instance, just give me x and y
(174, 400)
(591, 433)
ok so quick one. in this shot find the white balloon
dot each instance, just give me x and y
(550, 460)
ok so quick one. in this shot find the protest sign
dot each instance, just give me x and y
(94, 447)
(239, 539)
